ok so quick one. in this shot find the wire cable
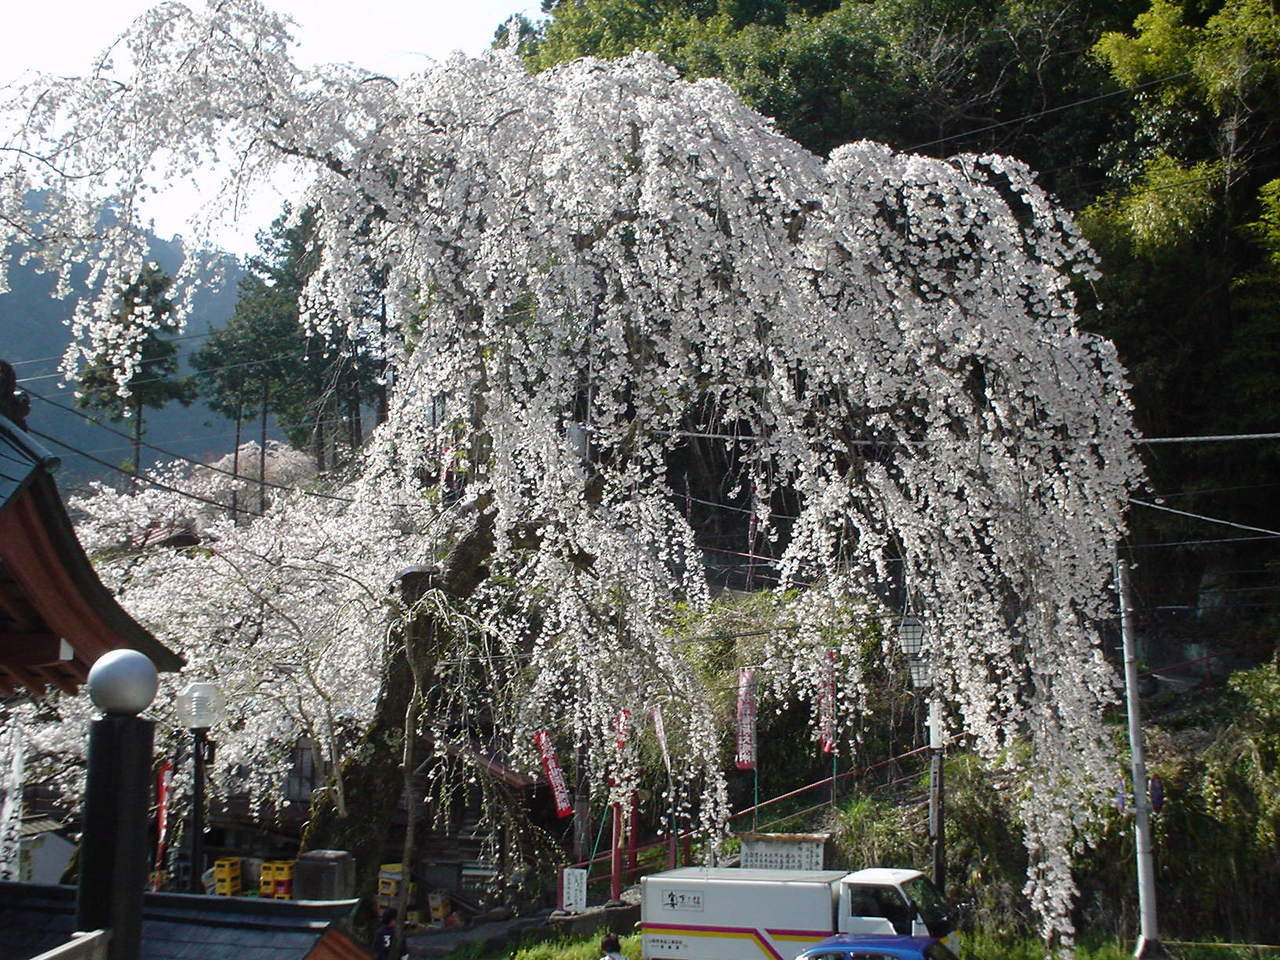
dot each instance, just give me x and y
(143, 478)
(197, 463)
(1200, 516)
(1057, 109)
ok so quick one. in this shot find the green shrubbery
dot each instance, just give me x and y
(1217, 860)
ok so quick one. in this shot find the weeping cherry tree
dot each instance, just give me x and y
(595, 265)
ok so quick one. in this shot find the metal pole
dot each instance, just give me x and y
(199, 738)
(1148, 944)
(615, 855)
(937, 797)
(633, 838)
(581, 806)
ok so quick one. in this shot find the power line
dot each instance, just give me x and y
(206, 466)
(188, 336)
(1200, 516)
(1221, 438)
(750, 556)
(1194, 543)
(144, 478)
(1057, 109)
(1206, 490)
(225, 366)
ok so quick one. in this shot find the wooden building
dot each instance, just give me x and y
(56, 616)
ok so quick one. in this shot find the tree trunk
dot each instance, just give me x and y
(382, 380)
(420, 648)
(318, 440)
(235, 463)
(371, 773)
(137, 443)
(262, 449)
(355, 427)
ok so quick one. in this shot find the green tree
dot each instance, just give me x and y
(1186, 228)
(145, 312)
(246, 367)
(942, 76)
(265, 362)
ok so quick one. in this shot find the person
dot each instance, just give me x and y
(385, 937)
(610, 947)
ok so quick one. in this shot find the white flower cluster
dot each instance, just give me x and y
(593, 263)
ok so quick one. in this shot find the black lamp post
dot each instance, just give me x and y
(197, 708)
(113, 847)
(911, 638)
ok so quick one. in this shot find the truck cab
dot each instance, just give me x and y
(883, 900)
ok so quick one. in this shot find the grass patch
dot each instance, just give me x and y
(587, 948)
(565, 948)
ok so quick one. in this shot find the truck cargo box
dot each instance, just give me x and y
(727, 913)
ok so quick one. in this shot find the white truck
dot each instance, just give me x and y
(730, 913)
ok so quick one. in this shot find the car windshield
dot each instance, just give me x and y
(933, 909)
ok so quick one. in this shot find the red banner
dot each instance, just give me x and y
(164, 778)
(621, 728)
(555, 776)
(746, 754)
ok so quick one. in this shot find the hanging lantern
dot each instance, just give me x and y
(1155, 792)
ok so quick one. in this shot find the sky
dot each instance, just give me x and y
(389, 36)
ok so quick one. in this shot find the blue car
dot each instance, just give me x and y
(877, 946)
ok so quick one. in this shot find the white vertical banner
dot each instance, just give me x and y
(660, 732)
(827, 706)
(12, 760)
(746, 752)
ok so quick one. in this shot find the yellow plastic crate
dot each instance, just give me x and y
(274, 873)
(387, 896)
(277, 879)
(226, 868)
(439, 904)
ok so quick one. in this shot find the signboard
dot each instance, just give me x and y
(573, 890)
(686, 901)
(784, 851)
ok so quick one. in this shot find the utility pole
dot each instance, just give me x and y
(1148, 944)
(937, 830)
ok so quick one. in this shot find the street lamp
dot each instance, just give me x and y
(113, 846)
(911, 639)
(197, 708)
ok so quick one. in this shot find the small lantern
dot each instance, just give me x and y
(911, 636)
(199, 706)
(911, 639)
